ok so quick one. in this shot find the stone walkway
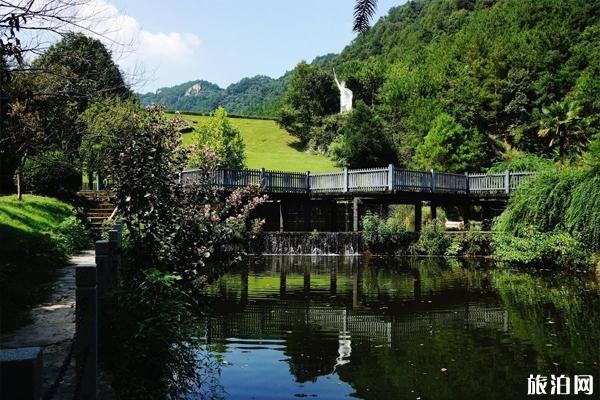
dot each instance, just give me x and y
(52, 328)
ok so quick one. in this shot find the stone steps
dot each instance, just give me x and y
(99, 208)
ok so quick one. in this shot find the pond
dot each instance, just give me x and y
(339, 327)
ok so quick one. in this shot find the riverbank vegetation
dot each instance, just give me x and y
(38, 236)
(178, 237)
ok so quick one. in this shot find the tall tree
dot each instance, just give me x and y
(43, 103)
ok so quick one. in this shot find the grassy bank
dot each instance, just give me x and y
(37, 234)
(268, 146)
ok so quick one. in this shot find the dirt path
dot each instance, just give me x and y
(52, 329)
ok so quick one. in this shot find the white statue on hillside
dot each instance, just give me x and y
(345, 95)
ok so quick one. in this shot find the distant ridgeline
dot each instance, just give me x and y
(257, 96)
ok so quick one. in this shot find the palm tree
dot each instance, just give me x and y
(363, 12)
(561, 122)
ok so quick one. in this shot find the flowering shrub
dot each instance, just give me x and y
(173, 226)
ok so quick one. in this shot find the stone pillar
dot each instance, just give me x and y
(433, 209)
(86, 328)
(418, 216)
(21, 373)
(114, 237)
(103, 263)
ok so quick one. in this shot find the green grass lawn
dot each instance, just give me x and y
(268, 146)
(28, 255)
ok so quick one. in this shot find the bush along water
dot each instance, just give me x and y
(387, 235)
(552, 221)
(433, 239)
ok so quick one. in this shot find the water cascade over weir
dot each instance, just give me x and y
(308, 243)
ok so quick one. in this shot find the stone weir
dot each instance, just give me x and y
(308, 243)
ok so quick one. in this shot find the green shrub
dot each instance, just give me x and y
(433, 239)
(556, 249)
(472, 243)
(556, 199)
(71, 235)
(386, 235)
(51, 174)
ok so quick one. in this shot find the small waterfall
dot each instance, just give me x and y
(308, 243)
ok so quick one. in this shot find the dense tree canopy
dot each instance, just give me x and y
(524, 73)
(362, 141)
(42, 104)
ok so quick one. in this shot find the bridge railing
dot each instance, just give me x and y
(518, 178)
(411, 181)
(368, 180)
(449, 183)
(328, 182)
(363, 180)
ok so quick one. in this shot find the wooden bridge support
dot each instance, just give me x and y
(433, 209)
(356, 214)
(418, 216)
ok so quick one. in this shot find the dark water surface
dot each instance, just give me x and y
(337, 327)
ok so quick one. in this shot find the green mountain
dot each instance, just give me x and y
(524, 73)
(256, 96)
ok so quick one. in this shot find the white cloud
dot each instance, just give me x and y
(131, 44)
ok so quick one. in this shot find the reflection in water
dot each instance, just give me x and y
(334, 327)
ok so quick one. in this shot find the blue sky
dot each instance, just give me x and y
(223, 41)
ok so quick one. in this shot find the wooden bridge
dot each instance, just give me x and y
(374, 186)
(368, 180)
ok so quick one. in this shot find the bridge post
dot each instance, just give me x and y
(307, 211)
(507, 181)
(391, 177)
(262, 177)
(280, 216)
(307, 181)
(333, 216)
(345, 179)
(418, 216)
(432, 181)
(356, 214)
(346, 216)
(433, 209)
(467, 187)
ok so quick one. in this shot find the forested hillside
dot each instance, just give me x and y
(256, 96)
(459, 84)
